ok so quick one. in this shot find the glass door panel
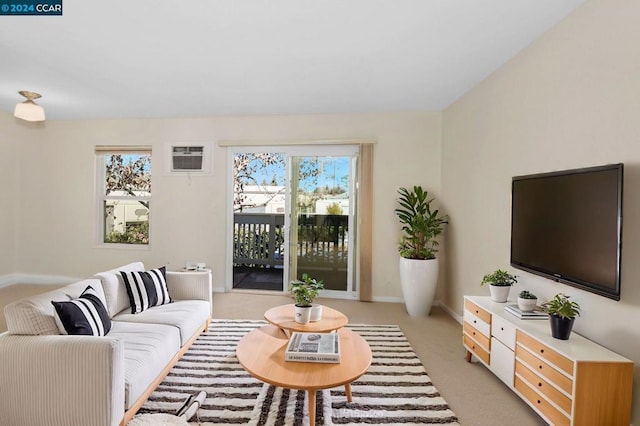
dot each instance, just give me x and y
(258, 220)
(321, 224)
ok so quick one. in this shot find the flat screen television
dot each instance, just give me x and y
(567, 226)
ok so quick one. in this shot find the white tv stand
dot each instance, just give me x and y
(567, 382)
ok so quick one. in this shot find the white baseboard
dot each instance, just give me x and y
(451, 312)
(388, 299)
(448, 310)
(219, 289)
(7, 280)
(22, 278)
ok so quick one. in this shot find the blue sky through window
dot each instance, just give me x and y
(332, 172)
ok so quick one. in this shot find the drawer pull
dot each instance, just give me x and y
(477, 311)
(539, 402)
(474, 333)
(540, 367)
(539, 384)
(541, 351)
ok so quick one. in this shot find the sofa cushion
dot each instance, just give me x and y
(114, 288)
(146, 289)
(187, 316)
(148, 348)
(85, 315)
(35, 315)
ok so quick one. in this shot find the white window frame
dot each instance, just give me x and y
(101, 197)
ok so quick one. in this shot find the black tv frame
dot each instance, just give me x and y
(581, 284)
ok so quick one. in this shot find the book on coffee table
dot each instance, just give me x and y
(313, 347)
(537, 313)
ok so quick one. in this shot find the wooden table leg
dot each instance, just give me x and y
(312, 406)
(468, 356)
(347, 390)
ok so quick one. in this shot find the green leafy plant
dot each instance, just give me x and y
(135, 233)
(525, 294)
(305, 290)
(562, 307)
(499, 278)
(420, 225)
(334, 208)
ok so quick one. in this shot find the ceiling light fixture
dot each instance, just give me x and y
(29, 110)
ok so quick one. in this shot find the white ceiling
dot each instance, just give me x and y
(150, 58)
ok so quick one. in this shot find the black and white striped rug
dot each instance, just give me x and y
(395, 390)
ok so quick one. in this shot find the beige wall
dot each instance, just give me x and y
(570, 100)
(189, 216)
(9, 143)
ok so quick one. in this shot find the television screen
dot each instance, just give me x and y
(567, 226)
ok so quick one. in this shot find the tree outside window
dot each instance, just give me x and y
(126, 197)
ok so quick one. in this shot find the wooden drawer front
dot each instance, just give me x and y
(504, 331)
(477, 336)
(541, 404)
(546, 353)
(477, 350)
(477, 311)
(502, 359)
(478, 323)
(545, 370)
(544, 387)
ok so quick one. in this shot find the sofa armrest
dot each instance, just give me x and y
(61, 380)
(190, 286)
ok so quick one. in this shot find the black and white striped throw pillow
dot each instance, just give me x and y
(85, 315)
(146, 289)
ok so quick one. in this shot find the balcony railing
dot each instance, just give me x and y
(258, 239)
(322, 240)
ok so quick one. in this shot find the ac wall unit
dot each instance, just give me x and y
(187, 158)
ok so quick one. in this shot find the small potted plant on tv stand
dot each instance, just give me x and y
(500, 283)
(562, 314)
(304, 291)
(527, 301)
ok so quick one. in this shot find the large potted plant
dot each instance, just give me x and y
(562, 314)
(303, 292)
(418, 247)
(500, 283)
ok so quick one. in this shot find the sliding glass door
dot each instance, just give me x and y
(294, 215)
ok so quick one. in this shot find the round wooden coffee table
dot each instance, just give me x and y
(283, 317)
(261, 353)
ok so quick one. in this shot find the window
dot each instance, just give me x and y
(124, 194)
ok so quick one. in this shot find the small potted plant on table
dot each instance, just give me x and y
(527, 301)
(500, 283)
(562, 314)
(304, 291)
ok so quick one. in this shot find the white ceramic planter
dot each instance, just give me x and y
(499, 293)
(302, 315)
(527, 305)
(316, 313)
(418, 279)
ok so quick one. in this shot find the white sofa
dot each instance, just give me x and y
(64, 380)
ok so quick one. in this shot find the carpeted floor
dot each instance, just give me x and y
(395, 390)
